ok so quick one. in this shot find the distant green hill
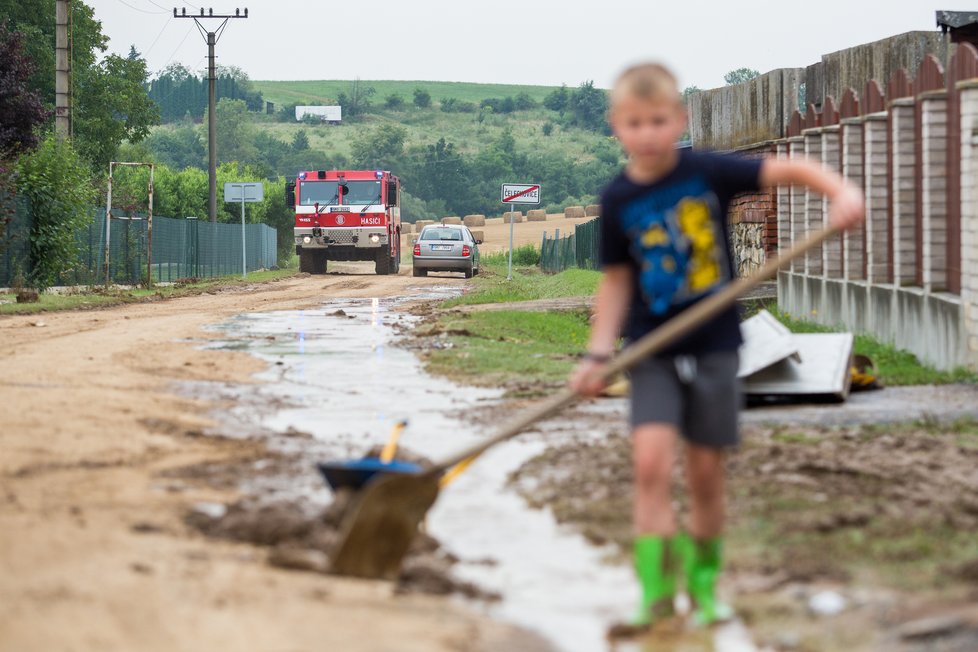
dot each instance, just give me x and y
(288, 92)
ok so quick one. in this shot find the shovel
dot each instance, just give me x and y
(382, 519)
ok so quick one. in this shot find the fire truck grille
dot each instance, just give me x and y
(340, 237)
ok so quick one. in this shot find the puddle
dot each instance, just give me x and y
(335, 373)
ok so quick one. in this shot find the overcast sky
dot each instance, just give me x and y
(510, 41)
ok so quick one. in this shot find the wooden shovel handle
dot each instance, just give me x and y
(694, 316)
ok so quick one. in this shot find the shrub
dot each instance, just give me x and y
(58, 184)
(422, 98)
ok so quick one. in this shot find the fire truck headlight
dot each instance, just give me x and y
(374, 238)
(306, 239)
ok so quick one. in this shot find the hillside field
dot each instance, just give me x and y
(325, 91)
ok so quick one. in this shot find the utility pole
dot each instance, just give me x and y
(62, 63)
(211, 37)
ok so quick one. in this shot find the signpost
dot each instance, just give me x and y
(518, 193)
(244, 193)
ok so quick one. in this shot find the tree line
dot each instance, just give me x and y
(180, 93)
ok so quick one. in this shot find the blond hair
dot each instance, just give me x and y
(646, 81)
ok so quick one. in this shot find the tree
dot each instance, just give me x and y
(58, 184)
(300, 142)
(588, 106)
(524, 102)
(20, 107)
(740, 75)
(689, 90)
(394, 102)
(557, 100)
(35, 21)
(422, 98)
(235, 139)
(380, 148)
(111, 106)
(358, 101)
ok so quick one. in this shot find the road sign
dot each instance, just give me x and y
(521, 193)
(246, 192)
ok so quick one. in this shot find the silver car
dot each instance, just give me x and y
(446, 248)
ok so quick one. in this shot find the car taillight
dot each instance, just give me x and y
(417, 250)
(465, 251)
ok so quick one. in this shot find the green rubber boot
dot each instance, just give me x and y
(657, 564)
(702, 562)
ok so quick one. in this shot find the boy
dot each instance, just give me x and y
(664, 245)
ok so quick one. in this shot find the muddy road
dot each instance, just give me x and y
(95, 552)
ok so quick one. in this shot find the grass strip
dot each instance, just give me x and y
(93, 297)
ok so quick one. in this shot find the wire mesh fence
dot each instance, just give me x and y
(181, 248)
(579, 249)
(15, 245)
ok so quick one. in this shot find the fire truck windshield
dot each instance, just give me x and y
(325, 193)
(361, 192)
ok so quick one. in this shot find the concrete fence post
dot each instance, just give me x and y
(796, 150)
(875, 186)
(933, 189)
(853, 241)
(903, 191)
(832, 250)
(813, 202)
(969, 218)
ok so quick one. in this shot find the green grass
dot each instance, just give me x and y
(496, 348)
(528, 283)
(510, 347)
(325, 91)
(88, 298)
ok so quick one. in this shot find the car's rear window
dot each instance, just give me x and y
(441, 234)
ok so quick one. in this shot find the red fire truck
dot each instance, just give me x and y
(346, 215)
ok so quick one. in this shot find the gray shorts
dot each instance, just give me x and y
(700, 395)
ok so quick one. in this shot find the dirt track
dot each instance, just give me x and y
(94, 553)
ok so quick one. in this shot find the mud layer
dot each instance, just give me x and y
(95, 552)
(884, 516)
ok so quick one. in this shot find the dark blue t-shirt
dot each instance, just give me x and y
(674, 234)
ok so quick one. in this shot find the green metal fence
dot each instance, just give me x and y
(15, 246)
(187, 248)
(579, 249)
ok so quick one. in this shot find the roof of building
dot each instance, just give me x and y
(956, 19)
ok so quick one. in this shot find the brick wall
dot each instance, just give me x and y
(754, 221)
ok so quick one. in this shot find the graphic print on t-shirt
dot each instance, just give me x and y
(677, 242)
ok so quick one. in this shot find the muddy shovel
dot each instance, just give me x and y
(382, 519)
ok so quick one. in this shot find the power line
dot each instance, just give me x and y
(142, 11)
(157, 37)
(177, 49)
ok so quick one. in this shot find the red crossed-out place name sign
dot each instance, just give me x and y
(521, 193)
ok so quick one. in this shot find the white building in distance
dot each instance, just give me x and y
(324, 113)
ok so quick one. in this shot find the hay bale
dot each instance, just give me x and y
(592, 210)
(574, 211)
(474, 220)
(406, 227)
(536, 215)
(420, 224)
(480, 236)
(515, 218)
(451, 220)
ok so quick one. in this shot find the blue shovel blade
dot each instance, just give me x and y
(356, 473)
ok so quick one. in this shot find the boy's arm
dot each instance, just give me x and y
(611, 305)
(847, 205)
